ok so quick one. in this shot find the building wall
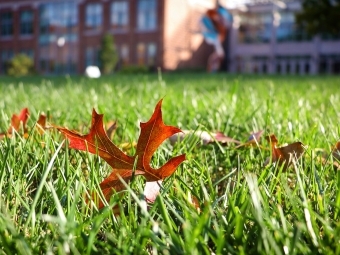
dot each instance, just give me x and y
(175, 42)
(184, 46)
(17, 43)
(268, 43)
(132, 39)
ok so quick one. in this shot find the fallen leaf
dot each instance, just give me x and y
(336, 151)
(17, 121)
(111, 128)
(336, 155)
(204, 136)
(223, 139)
(253, 139)
(152, 135)
(324, 157)
(284, 155)
(41, 123)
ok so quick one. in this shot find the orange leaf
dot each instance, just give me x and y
(152, 135)
(16, 122)
(41, 124)
(17, 119)
(335, 154)
(286, 154)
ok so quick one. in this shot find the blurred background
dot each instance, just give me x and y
(255, 36)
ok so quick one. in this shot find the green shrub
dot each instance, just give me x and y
(20, 65)
(108, 54)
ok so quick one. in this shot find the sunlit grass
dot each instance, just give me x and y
(245, 207)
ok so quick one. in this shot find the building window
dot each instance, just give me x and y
(6, 24)
(58, 20)
(120, 14)
(255, 28)
(94, 14)
(58, 36)
(152, 50)
(26, 23)
(91, 56)
(146, 15)
(5, 56)
(124, 54)
(141, 54)
(288, 30)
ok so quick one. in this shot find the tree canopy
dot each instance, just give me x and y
(320, 17)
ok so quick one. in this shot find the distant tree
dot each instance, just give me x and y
(320, 17)
(108, 55)
(19, 65)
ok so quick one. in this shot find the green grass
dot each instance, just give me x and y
(245, 207)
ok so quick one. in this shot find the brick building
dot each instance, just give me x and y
(63, 36)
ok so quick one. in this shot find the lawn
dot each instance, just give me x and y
(245, 206)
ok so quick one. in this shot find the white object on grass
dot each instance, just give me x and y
(92, 72)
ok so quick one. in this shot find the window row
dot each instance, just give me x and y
(25, 23)
(146, 55)
(58, 60)
(64, 16)
(261, 26)
(120, 12)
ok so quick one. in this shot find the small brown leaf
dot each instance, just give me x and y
(223, 139)
(253, 139)
(336, 151)
(324, 157)
(285, 155)
(204, 136)
(41, 124)
(111, 128)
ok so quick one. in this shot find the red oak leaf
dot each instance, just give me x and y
(152, 135)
